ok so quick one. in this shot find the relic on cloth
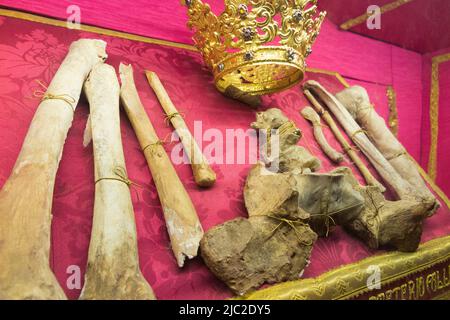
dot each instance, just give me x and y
(357, 102)
(365, 172)
(257, 47)
(287, 209)
(309, 114)
(26, 197)
(382, 223)
(295, 191)
(113, 271)
(283, 151)
(183, 225)
(245, 253)
(357, 134)
(204, 176)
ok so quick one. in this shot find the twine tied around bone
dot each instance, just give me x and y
(328, 216)
(292, 224)
(44, 95)
(281, 130)
(172, 115)
(121, 175)
(159, 142)
(372, 217)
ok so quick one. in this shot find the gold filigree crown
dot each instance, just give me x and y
(257, 46)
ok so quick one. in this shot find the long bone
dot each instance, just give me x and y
(401, 187)
(26, 197)
(113, 264)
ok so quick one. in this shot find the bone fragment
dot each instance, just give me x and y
(204, 176)
(245, 253)
(309, 114)
(182, 222)
(384, 223)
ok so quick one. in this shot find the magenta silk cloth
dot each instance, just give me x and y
(31, 51)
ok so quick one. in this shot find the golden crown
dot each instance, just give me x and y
(239, 46)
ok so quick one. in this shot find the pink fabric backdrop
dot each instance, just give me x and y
(422, 22)
(30, 51)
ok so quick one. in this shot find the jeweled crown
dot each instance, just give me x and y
(258, 46)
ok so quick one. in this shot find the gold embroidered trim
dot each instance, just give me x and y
(434, 113)
(98, 30)
(350, 281)
(393, 112)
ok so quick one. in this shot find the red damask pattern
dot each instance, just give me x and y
(31, 51)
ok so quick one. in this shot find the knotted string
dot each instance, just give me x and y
(280, 131)
(153, 144)
(398, 154)
(157, 143)
(371, 218)
(357, 132)
(286, 127)
(172, 115)
(121, 176)
(322, 112)
(44, 95)
(291, 223)
(347, 149)
(329, 216)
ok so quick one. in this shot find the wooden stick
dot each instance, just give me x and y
(353, 130)
(182, 222)
(26, 197)
(203, 174)
(311, 115)
(113, 271)
(370, 179)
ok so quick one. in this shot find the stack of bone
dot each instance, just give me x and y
(289, 204)
(382, 222)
